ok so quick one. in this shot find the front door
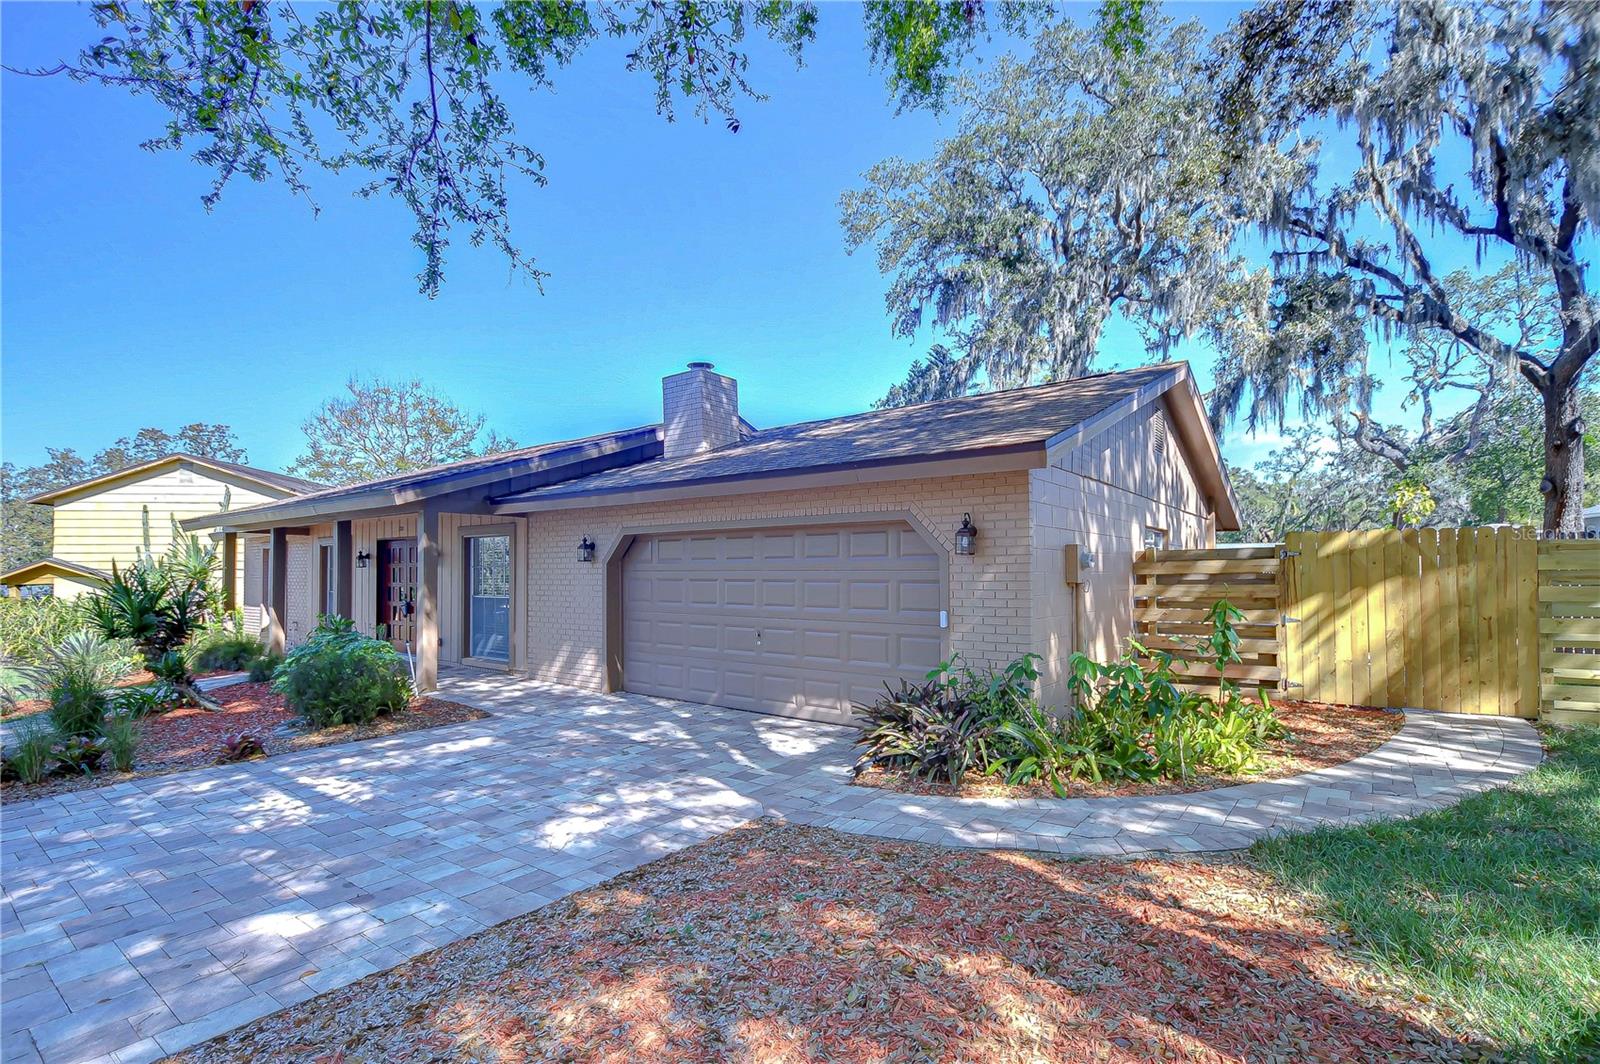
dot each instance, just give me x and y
(397, 590)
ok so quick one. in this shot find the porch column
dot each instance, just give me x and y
(344, 570)
(427, 621)
(278, 590)
(230, 570)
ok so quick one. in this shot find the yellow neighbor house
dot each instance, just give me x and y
(114, 517)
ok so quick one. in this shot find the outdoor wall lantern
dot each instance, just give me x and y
(586, 550)
(966, 536)
(362, 558)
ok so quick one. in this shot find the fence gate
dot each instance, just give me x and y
(1431, 618)
(1569, 630)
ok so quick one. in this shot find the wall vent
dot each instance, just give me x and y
(1158, 429)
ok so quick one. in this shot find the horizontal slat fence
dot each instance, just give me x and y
(1431, 618)
(1569, 630)
(1173, 589)
(1464, 620)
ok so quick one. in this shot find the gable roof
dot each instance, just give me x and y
(52, 566)
(403, 489)
(279, 484)
(1020, 420)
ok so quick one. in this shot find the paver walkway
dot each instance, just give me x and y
(145, 917)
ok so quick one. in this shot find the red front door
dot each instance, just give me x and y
(397, 590)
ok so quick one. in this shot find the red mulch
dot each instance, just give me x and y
(191, 737)
(29, 707)
(784, 943)
(1319, 735)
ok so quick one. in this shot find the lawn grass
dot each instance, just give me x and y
(1489, 909)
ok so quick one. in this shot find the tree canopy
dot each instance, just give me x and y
(412, 95)
(1320, 184)
(25, 529)
(379, 428)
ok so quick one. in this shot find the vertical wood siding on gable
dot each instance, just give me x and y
(1103, 495)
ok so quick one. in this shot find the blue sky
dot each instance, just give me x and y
(666, 242)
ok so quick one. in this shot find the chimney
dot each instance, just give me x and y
(700, 411)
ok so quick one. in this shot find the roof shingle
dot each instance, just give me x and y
(992, 422)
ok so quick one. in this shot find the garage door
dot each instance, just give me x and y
(796, 621)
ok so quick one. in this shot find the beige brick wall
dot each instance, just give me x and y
(990, 603)
(1103, 496)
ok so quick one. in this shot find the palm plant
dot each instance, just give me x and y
(158, 603)
(75, 676)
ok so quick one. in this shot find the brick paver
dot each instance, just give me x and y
(145, 917)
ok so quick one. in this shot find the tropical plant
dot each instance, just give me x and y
(144, 700)
(74, 678)
(159, 603)
(1133, 720)
(28, 755)
(120, 736)
(29, 627)
(243, 748)
(77, 755)
(338, 676)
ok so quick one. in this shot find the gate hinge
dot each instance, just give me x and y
(1288, 554)
(1293, 683)
(1290, 620)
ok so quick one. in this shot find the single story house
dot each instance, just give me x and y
(788, 570)
(113, 518)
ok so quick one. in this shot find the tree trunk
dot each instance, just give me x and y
(1563, 457)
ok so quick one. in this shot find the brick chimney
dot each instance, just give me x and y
(699, 410)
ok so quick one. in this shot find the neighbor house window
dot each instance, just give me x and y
(489, 598)
(1155, 538)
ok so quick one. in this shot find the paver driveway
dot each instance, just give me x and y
(148, 916)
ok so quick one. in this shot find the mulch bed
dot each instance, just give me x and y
(1319, 735)
(31, 706)
(192, 737)
(784, 943)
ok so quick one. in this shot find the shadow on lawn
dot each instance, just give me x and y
(1490, 907)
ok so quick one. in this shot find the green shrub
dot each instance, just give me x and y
(220, 648)
(28, 756)
(120, 734)
(172, 668)
(75, 677)
(1138, 725)
(339, 676)
(264, 667)
(1132, 721)
(30, 627)
(144, 701)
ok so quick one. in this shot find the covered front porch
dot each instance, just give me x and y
(442, 586)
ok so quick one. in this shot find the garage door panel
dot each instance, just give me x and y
(779, 593)
(792, 621)
(913, 651)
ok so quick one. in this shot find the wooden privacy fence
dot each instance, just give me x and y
(1465, 620)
